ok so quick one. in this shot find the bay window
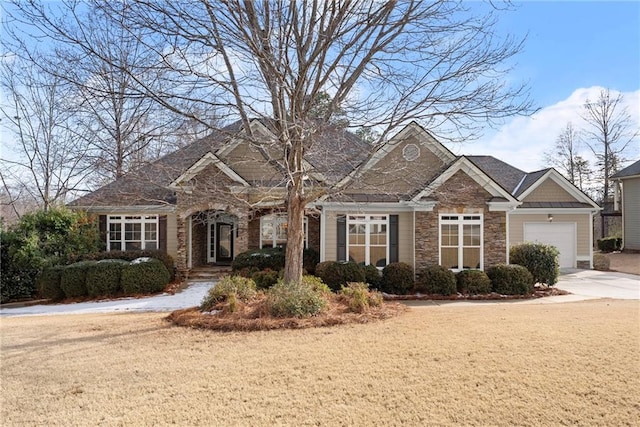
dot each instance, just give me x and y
(461, 242)
(132, 232)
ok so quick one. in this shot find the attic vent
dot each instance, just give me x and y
(411, 152)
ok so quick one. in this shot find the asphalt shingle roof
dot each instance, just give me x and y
(631, 170)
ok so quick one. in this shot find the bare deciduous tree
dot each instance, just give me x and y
(609, 131)
(45, 159)
(382, 63)
(565, 156)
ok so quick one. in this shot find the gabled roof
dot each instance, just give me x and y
(507, 176)
(206, 160)
(412, 129)
(630, 171)
(152, 183)
(466, 165)
(535, 179)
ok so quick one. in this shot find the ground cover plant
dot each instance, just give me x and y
(445, 365)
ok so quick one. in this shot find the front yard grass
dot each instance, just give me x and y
(504, 364)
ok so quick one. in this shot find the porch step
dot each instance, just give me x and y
(208, 273)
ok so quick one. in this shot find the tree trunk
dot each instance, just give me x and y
(295, 234)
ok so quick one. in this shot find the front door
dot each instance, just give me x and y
(224, 242)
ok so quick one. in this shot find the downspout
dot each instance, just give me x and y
(189, 261)
(322, 231)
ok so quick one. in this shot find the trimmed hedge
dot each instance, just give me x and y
(473, 282)
(436, 279)
(397, 278)
(271, 259)
(163, 257)
(372, 275)
(103, 277)
(73, 279)
(541, 261)
(144, 276)
(510, 279)
(610, 244)
(337, 274)
(48, 283)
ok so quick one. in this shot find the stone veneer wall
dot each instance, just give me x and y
(462, 195)
(199, 244)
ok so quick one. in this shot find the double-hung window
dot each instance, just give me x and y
(273, 231)
(367, 239)
(461, 242)
(133, 232)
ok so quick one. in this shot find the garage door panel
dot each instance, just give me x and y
(560, 235)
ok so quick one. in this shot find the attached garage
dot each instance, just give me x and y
(562, 235)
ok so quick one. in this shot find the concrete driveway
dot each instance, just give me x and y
(600, 284)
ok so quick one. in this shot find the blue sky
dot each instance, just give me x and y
(572, 50)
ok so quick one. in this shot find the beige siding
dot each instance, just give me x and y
(393, 174)
(172, 235)
(549, 191)
(330, 236)
(250, 164)
(405, 235)
(582, 221)
(631, 213)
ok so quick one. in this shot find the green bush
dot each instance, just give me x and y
(144, 276)
(295, 299)
(163, 257)
(337, 274)
(316, 284)
(261, 259)
(601, 262)
(372, 275)
(103, 277)
(436, 279)
(359, 298)
(265, 279)
(42, 239)
(48, 283)
(271, 259)
(310, 258)
(73, 280)
(473, 282)
(397, 278)
(510, 279)
(609, 244)
(241, 288)
(20, 264)
(541, 261)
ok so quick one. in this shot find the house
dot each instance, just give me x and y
(628, 180)
(409, 199)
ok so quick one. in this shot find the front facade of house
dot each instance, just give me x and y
(409, 199)
(628, 190)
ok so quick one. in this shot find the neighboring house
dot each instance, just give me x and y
(628, 180)
(409, 199)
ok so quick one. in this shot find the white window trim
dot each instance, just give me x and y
(477, 219)
(132, 219)
(281, 219)
(367, 221)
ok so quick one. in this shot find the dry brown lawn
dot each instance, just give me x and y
(506, 364)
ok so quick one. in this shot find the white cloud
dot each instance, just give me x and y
(523, 141)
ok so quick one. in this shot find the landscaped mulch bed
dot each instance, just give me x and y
(254, 317)
(539, 292)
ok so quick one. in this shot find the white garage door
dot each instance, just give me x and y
(562, 235)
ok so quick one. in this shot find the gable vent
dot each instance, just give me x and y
(411, 152)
